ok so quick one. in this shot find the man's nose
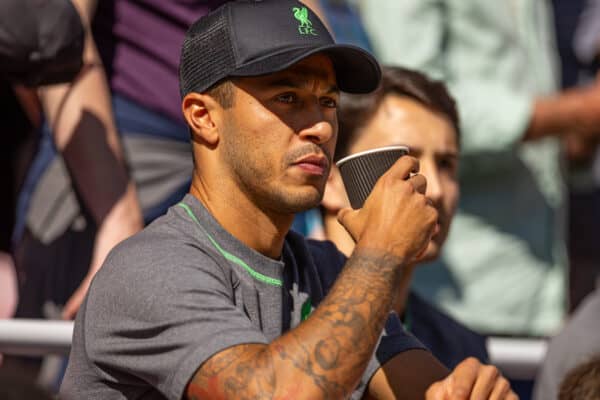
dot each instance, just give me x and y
(434, 187)
(319, 130)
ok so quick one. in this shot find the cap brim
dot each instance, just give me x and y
(356, 70)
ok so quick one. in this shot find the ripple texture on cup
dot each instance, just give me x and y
(361, 172)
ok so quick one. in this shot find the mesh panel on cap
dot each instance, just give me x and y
(207, 53)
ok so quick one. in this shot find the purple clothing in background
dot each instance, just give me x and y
(140, 42)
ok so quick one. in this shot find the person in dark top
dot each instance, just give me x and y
(217, 299)
(409, 109)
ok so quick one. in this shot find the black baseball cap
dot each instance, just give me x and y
(258, 37)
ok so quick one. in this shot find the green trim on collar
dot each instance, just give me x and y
(407, 317)
(230, 257)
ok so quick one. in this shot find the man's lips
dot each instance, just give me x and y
(313, 164)
(438, 227)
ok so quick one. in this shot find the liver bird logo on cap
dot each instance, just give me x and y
(305, 27)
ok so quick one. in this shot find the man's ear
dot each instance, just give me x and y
(335, 198)
(200, 111)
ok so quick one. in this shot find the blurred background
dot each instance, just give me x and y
(95, 147)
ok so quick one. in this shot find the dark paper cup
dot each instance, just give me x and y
(361, 171)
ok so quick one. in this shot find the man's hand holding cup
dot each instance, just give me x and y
(396, 217)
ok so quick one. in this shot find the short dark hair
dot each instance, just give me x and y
(355, 111)
(223, 93)
(582, 382)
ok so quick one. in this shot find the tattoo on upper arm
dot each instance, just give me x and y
(332, 356)
(241, 372)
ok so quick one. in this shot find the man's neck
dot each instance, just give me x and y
(335, 232)
(243, 219)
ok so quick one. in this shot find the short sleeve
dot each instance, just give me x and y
(158, 310)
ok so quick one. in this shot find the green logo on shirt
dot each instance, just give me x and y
(305, 27)
(305, 310)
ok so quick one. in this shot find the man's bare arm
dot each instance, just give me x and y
(571, 112)
(326, 355)
(80, 115)
(409, 376)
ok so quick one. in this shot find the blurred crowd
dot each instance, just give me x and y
(94, 153)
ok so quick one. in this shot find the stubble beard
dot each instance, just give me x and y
(254, 177)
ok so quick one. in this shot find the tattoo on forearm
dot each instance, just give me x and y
(331, 348)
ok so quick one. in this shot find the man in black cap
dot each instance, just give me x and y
(217, 299)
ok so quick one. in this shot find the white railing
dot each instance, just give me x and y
(516, 358)
(35, 337)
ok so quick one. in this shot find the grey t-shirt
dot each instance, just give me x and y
(184, 289)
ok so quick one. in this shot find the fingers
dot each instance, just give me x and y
(407, 168)
(471, 380)
(512, 396)
(463, 379)
(437, 391)
(419, 183)
(397, 216)
(502, 390)
(486, 382)
(404, 167)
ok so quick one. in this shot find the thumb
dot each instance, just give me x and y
(437, 391)
(349, 219)
(343, 214)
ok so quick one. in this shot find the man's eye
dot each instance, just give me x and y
(287, 98)
(328, 102)
(448, 165)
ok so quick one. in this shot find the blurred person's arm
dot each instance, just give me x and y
(574, 111)
(407, 374)
(81, 119)
(574, 115)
